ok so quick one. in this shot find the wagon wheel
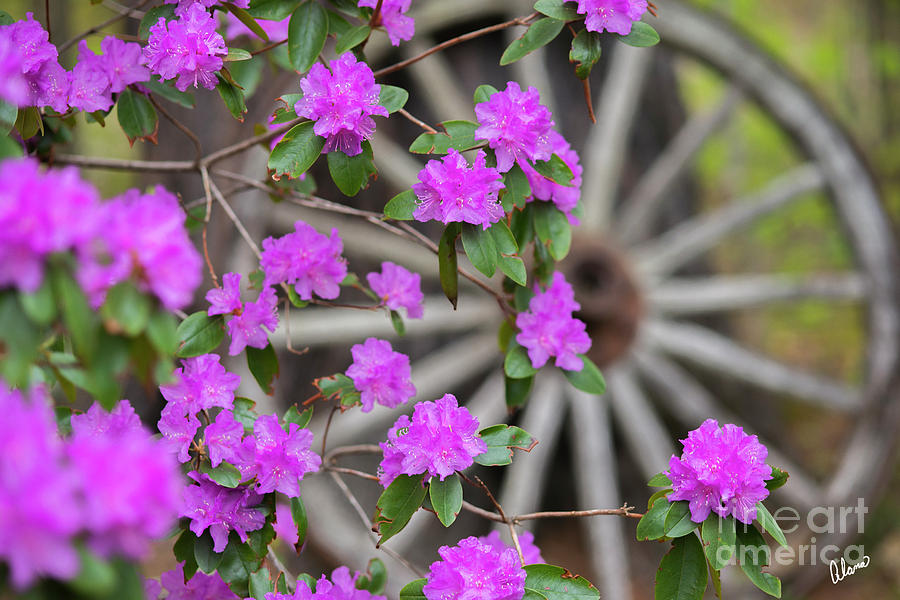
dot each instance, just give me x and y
(661, 319)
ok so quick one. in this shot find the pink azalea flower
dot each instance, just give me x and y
(380, 374)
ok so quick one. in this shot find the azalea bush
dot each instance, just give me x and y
(93, 292)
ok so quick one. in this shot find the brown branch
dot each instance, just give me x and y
(428, 128)
(625, 511)
(198, 147)
(119, 164)
(454, 41)
(268, 47)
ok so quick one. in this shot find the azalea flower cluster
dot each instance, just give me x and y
(399, 27)
(549, 329)
(520, 131)
(245, 327)
(342, 586)
(398, 288)
(722, 470)
(274, 458)
(342, 102)
(440, 439)
(136, 237)
(306, 259)
(30, 73)
(54, 490)
(380, 374)
(449, 190)
(473, 569)
(188, 47)
(616, 16)
(199, 587)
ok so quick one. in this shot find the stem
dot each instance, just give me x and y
(428, 128)
(334, 409)
(268, 47)
(587, 99)
(454, 41)
(288, 578)
(234, 218)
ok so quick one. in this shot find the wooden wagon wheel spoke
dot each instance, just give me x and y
(686, 241)
(636, 215)
(615, 109)
(687, 400)
(647, 437)
(683, 296)
(708, 349)
(445, 99)
(596, 483)
(525, 478)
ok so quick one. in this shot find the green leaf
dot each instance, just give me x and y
(247, 19)
(162, 331)
(226, 474)
(260, 584)
(40, 305)
(660, 480)
(8, 114)
(243, 413)
(237, 55)
(652, 524)
(10, 148)
(338, 386)
(397, 322)
(6, 18)
(392, 98)
(295, 298)
(199, 334)
(351, 173)
(517, 365)
(517, 188)
(779, 478)
(682, 572)
(503, 237)
(517, 391)
(447, 265)
(184, 552)
(589, 379)
(307, 32)
(501, 440)
(397, 504)
(264, 366)
(458, 134)
(539, 34)
(716, 581)
(248, 74)
(557, 9)
(238, 563)
(296, 152)
(768, 522)
(514, 268)
(374, 578)
(641, 36)
(484, 92)
(136, 116)
(337, 24)
(678, 520)
(401, 206)
(96, 578)
(718, 536)
(555, 170)
(151, 18)
(126, 309)
(585, 51)
(480, 248)
(352, 38)
(272, 10)
(413, 590)
(754, 554)
(301, 419)
(446, 498)
(298, 512)
(207, 559)
(555, 583)
(167, 91)
(77, 315)
(28, 122)
(233, 97)
(553, 229)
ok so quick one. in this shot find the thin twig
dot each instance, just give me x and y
(354, 449)
(428, 128)
(625, 511)
(368, 525)
(334, 409)
(288, 578)
(234, 218)
(198, 147)
(102, 25)
(353, 472)
(586, 84)
(268, 47)
(207, 191)
(509, 523)
(454, 41)
(119, 164)
(248, 143)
